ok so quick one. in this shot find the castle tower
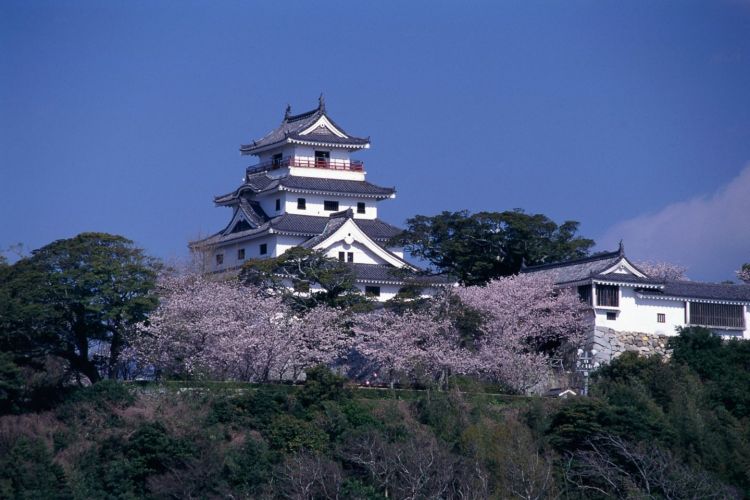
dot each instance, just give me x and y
(307, 191)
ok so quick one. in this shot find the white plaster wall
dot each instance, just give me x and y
(639, 314)
(284, 243)
(314, 205)
(267, 202)
(252, 251)
(362, 254)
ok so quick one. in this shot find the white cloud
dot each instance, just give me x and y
(709, 234)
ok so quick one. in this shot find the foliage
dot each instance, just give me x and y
(525, 322)
(11, 384)
(220, 329)
(28, 471)
(303, 270)
(479, 247)
(77, 299)
(662, 270)
(744, 273)
(723, 365)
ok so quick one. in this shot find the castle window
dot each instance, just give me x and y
(361, 207)
(611, 316)
(219, 259)
(342, 256)
(718, 315)
(241, 254)
(661, 318)
(372, 291)
(607, 295)
(278, 204)
(350, 256)
(301, 203)
(263, 248)
(276, 160)
(331, 206)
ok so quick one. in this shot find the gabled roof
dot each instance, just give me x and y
(602, 268)
(313, 127)
(262, 182)
(588, 267)
(307, 226)
(342, 226)
(382, 274)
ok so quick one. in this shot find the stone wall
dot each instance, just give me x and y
(611, 343)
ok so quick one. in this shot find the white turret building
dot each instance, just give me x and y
(628, 304)
(308, 191)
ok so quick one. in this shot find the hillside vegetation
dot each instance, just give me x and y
(653, 429)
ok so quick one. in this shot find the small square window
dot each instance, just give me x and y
(219, 258)
(342, 256)
(241, 254)
(372, 291)
(331, 206)
(661, 318)
(301, 203)
(278, 204)
(263, 248)
(361, 207)
(350, 256)
(611, 316)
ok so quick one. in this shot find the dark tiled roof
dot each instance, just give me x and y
(706, 291)
(254, 213)
(261, 182)
(576, 270)
(331, 227)
(376, 229)
(338, 186)
(291, 127)
(389, 274)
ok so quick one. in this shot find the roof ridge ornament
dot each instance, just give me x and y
(621, 249)
(322, 103)
(288, 112)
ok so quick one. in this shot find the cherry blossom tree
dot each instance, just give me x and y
(224, 330)
(662, 270)
(416, 342)
(744, 273)
(526, 321)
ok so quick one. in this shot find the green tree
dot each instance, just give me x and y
(303, 269)
(77, 299)
(478, 247)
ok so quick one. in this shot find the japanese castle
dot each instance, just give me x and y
(307, 191)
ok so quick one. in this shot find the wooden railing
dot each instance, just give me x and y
(332, 164)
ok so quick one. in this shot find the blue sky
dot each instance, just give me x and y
(632, 118)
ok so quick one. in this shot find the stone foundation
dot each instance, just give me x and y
(611, 343)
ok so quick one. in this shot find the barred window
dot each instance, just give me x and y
(219, 258)
(372, 291)
(584, 293)
(241, 254)
(608, 295)
(330, 206)
(301, 203)
(661, 318)
(719, 315)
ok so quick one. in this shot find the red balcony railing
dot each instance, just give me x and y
(332, 164)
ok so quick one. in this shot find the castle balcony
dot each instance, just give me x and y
(326, 163)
